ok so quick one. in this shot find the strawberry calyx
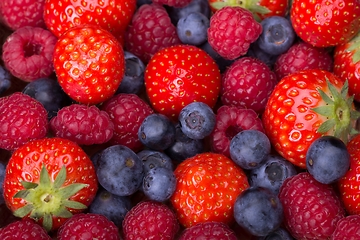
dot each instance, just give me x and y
(47, 199)
(339, 112)
(354, 47)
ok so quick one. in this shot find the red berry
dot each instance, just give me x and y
(347, 228)
(23, 229)
(208, 230)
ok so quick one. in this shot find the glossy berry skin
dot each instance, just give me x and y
(192, 29)
(24, 229)
(57, 156)
(200, 6)
(206, 190)
(316, 206)
(208, 230)
(258, 210)
(347, 228)
(89, 63)
(173, 3)
(325, 23)
(249, 148)
(197, 120)
(5, 80)
(327, 159)
(179, 75)
(91, 225)
(2, 176)
(119, 170)
(279, 234)
(152, 159)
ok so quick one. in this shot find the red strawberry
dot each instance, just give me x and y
(347, 64)
(304, 106)
(49, 180)
(113, 16)
(206, 190)
(23, 229)
(311, 209)
(89, 63)
(88, 226)
(347, 228)
(232, 30)
(325, 23)
(179, 75)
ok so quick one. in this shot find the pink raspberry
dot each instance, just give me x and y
(302, 56)
(150, 220)
(22, 119)
(347, 228)
(150, 30)
(232, 30)
(28, 53)
(85, 125)
(208, 230)
(231, 120)
(173, 3)
(25, 228)
(311, 209)
(127, 112)
(247, 83)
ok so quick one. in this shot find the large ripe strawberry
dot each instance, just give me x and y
(89, 63)
(260, 8)
(49, 180)
(325, 23)
(347, 64)
(206, 190)
(113, 16)
(179, 75)
(304, 106)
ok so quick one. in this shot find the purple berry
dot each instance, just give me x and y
(5, 80)
(152, 159)
(192, 28)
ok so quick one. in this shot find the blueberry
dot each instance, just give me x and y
(159, 184)
(119, 170)
(221, 62)
(277, 35)
(327, 159)
(5, 80)
(157, 132)
(192, 28)
(152, 159)
(278, 234)
(197, 120)
(133, 80)
(2, 176)
(272, 173)
(258, 210)
(249, 148)
(184, 147)
(256, 52)
(49, 93)
(111, 206)
(201, 6)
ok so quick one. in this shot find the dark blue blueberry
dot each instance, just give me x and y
(5, 80)
(48, 92)
(256, 52)
(184, 147)
(278, 234)
(192, 29)
(327, 159)
(197, 120)
(2, 176)
(159, 184)
(157, 132)
(201, 6)
(133, 80)
(152, 159)
(142, 2)
(277, 35)
(111, 206)
(249, 148)
(221, 62)
(259, 211)
(119, 170)
(272, 173)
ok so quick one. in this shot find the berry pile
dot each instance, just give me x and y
(179, 119)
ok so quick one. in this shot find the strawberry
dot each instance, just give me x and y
(49, 180)
(113, 16)
(347, 64)
(207, 187)
(304, 106)
(89, 63)
(325, 23)
(179, 75)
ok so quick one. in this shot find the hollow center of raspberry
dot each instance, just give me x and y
(232, 130)
(31, 49)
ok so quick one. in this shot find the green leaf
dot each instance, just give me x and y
(71, 189)
(74, 204)
(29, 185)
(327, 110)
(333, 90)
(325, 97)
(47, 222)
(327, 126)
(60, 178)
(44, 177)
(345, 89)
(23, 211)
(63, 213)
(22, 194)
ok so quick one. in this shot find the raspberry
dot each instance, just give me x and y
(311, 209)
(347, 228)
(173, 3)
(150, 30)
(22, 118)
(88, 226)
(85, 125)
(302, 56)
(21, 13)
(208, 230)
(231, 120)
(24, 229)
(248, 83)
(232, 30)
(127, 112)
(150, 220)
(28, 53)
